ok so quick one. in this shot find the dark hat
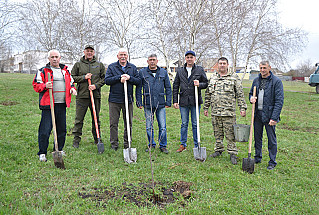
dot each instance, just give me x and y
(190, 52)
(89, 47)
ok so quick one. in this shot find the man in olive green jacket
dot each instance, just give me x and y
(87, 68)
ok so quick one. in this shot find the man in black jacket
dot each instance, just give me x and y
(184, 84)
(117, 73)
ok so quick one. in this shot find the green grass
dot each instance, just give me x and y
(32, 187)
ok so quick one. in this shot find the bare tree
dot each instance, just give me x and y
(268, 39)
(157, 32)
(248, 31)
(66, 25)
(42, 24)
(82, 27)
(305, 68)
(8, 19)
(121, 18)
(190, 22)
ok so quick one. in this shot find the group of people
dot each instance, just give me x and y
(154, 93)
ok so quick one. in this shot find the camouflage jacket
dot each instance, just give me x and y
(222, 93)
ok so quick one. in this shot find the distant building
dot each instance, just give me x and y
(31, 61)
(142, 62)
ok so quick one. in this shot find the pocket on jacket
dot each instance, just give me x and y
(228, 86)
(197, 77)
(161, 98)
(147, 98)
(161, 78)
(211, 86)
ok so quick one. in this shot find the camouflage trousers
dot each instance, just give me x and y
(223, 127)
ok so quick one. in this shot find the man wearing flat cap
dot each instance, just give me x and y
(87, 68)
(186, 79)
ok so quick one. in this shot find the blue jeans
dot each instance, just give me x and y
(161, 120)
(45, 128)
(185, 120)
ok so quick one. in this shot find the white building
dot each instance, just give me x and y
(31, 61)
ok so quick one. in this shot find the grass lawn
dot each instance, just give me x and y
(105, 184)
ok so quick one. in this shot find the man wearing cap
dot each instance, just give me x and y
(117, 73)
(87, 68)
(184, 84)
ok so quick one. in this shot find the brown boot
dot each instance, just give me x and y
(181, 148)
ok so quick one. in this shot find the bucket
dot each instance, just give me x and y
(241, 132)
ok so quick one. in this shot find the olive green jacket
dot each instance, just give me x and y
(80, 69)
(222, 93)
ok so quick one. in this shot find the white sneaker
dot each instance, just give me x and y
(63, 153)
(42, 158)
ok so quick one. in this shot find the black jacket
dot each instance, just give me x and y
(184, 87)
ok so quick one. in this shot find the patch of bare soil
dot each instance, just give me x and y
(142, 194)
(8, 103)
(311, 130)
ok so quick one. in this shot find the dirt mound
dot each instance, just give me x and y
(141, 194)
(8, 103)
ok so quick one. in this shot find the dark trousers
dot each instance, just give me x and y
(272, 140)
(45, 128)
(114, 114)
(82, 104)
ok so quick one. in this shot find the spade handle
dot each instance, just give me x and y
(252, 122)
(56, 146)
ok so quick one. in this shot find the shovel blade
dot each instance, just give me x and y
(100, 147)
(58, 160)
(130, 155)
(248, 165)
(200, 153)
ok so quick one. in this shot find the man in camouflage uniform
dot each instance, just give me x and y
(223, 89)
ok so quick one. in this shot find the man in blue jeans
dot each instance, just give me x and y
(184, 84)
(157, 95)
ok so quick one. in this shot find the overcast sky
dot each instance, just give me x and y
(293, 13)
(303, 14)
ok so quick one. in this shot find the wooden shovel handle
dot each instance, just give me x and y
(252, 122)
(56, 146)
(94, 112)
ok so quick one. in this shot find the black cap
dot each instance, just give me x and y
(89, 47)
(190, 52)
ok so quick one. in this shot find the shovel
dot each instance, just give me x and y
(130, 154)
(57, 155)
(199, 152)
(249, 163)
(100, 145)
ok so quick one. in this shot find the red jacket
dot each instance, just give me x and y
(41, 78)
